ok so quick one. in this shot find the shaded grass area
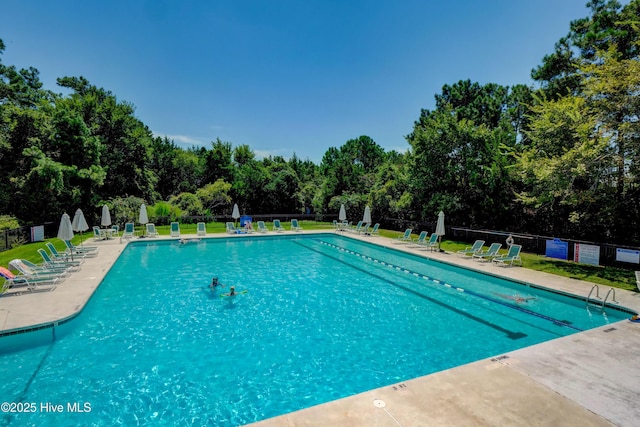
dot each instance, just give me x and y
(607, 276)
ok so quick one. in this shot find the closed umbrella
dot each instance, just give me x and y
(366, 219)
(143, 217)
(342, 216)
(65, 231)
(106, 217)
(236, 212)
(440, 226)
(79, 223)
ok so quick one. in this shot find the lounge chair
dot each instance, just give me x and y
(151, 230)
(55, 255)
(406, 237)
(374, 231)
(32, 271)
(473, 249)
(638, 280)
(432, 244)
(201, 229)
(12, 281)
(489, 254)
(129, 231)
(358, 227)
(420, 241)
(55, 263)
(231, 229)
(115, 231)
(80, 251)
(261, 227)
(277, 226)
(175, 229)
(28, 268)
(295, 226)
(512, 256)
(365, 230)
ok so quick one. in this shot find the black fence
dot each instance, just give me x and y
(530, 243)
(10, 239)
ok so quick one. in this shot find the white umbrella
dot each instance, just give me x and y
(366, 219)
(143, 217)
(79, 223)
(440, 226)
(65, 231)
(106, 216)
(342, 216)
(236, 212)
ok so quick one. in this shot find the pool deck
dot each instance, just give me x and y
(590, 378)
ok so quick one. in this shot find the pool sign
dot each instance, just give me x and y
(586, 254)
(556, 248)
(628, 255)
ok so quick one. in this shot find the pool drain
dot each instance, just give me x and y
(379, 403)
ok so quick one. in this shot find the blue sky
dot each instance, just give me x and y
(283, 76)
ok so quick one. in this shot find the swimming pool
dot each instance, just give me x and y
(324, 317)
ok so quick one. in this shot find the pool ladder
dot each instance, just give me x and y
(597, 295)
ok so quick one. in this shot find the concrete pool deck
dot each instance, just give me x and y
(590, 378)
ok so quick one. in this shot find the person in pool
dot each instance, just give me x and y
(215, 283)
(231, 293)
(517, 298)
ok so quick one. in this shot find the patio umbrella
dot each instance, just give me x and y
(342, 216)
(79, 223)
(65, 231)
(236, 212)
(143, 217)
(366, 219)
(440, 226)
(106, 217)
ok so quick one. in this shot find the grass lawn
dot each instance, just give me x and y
(607, 276)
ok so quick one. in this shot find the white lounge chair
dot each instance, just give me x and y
(512, 256)
(489, 254)
(277, 226)
(262, 228)
(295, 226)
(638, 280)
(374, 231)
(231, 229)
(32, 271)
(406, 237)
(12, 281)
(175, 229)
(421, 239)
(473, 249)
(129, 231)
(201, 229)
(151, 230)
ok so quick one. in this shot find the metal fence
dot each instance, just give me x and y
(530, 243)
(10, 239)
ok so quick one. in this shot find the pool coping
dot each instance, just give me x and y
(534, 368)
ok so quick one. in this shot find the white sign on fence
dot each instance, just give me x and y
(37, 233)
(586, 254)
(628, 255)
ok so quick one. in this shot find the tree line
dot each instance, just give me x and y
(561, 158)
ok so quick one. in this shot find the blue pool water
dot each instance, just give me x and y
(323, 317)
